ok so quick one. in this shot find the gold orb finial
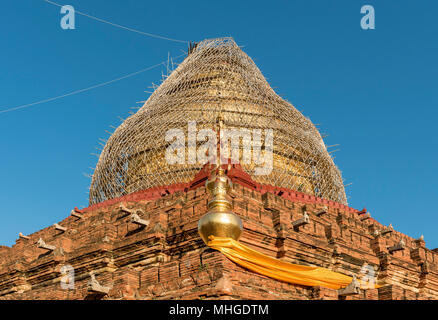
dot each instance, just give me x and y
(219, 221)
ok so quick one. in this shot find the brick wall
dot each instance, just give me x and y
(168, 260)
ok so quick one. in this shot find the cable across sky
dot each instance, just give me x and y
(88, 88)
(120, 26)
(106, 82)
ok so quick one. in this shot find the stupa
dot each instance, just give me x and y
(227, 227)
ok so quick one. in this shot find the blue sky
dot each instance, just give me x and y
(373, 92)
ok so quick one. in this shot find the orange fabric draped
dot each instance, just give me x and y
(277, 269)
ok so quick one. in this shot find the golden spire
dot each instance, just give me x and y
(218, 186)
(219, 221)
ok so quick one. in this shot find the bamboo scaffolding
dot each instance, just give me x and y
(216, 79)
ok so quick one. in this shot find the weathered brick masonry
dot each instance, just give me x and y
(168, 260)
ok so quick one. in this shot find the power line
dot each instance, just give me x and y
(120, 26)
(87, 89)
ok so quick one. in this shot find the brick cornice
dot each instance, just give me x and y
(236, 174)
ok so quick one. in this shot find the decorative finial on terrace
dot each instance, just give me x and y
(219, 221)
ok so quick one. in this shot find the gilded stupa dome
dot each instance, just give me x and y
(217, 80)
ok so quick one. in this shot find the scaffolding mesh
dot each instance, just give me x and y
(216, 80)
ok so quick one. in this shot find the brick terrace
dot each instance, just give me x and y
(168, 260)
